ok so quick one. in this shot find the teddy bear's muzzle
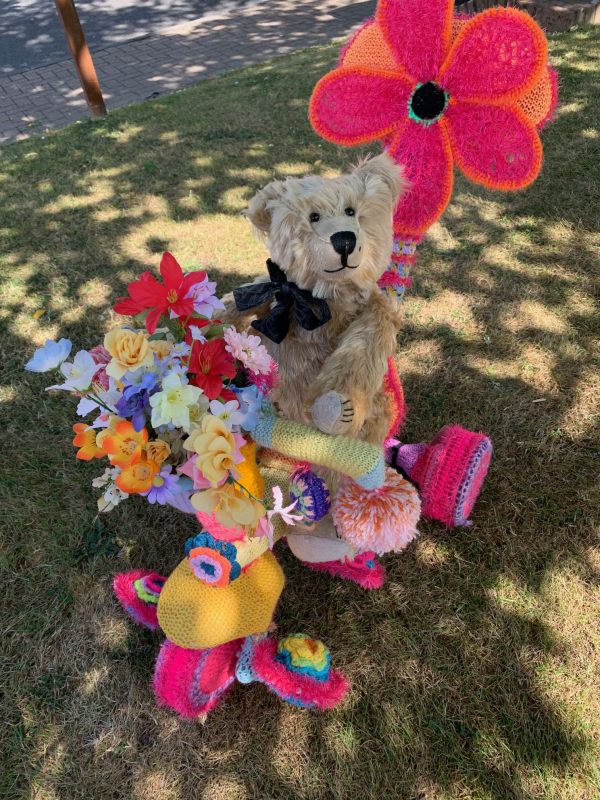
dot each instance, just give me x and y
(344, 243)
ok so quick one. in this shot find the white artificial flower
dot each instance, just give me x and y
(50, 356)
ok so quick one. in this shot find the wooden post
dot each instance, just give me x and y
(81, 56)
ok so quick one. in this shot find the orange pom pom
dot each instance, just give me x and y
(383, 520)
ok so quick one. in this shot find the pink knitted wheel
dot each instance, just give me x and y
(149, 584)
(192, 682)
(383, 520)
(450, 472)
(294, 687)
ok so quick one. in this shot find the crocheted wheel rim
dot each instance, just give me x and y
(471, 486)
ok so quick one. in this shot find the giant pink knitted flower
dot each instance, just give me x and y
(438, 99)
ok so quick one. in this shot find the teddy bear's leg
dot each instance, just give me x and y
(138, 592)
(192, 682)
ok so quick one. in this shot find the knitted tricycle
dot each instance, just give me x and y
(435, 88)
(217, 606)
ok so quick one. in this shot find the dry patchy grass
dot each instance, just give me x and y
(475, 669)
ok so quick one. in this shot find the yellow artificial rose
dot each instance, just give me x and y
(161, 347)
(215, 445)
(129, 351)
(158, 450)
(230, 507)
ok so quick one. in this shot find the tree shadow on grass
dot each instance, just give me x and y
(450, 660)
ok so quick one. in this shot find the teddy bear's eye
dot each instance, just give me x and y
(314, 217)
(349, 212)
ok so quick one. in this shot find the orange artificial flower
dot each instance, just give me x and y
(124, 445)
(85, 439)
(137, 477)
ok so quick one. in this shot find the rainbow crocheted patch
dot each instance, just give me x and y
(441, 90)
(304, 655)
(310, 494)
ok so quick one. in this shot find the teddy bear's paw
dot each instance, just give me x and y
(332, 413)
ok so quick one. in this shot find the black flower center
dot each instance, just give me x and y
(428, 101)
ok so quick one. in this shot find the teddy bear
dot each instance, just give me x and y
(323, 317)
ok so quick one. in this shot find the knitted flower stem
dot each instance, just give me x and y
(397, 278)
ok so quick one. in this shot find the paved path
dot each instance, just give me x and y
(31, 35)
(242, 34)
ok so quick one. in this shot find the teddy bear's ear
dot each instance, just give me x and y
(383, 168)
(261, 206)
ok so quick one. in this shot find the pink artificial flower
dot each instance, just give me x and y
(265, 383)
(249, 350)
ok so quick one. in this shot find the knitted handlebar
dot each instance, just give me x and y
(361, 461)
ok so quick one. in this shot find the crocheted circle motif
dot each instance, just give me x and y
(212, 561)
(383, 520)
(310, 494)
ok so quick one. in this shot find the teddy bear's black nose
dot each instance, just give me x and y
(343, 242)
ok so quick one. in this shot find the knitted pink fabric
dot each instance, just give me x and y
(450, 473)
(364, 569)
(140, 611)
(192, 682)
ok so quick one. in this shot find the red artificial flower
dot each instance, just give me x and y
(148, 293)
(210, 363)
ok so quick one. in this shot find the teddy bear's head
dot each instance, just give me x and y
(330, 233)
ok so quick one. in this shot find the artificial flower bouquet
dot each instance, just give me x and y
(170, 407)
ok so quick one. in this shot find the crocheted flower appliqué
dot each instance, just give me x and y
(212, 561)
(439, 90)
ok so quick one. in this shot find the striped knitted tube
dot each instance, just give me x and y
(396, 279)
(361, 461)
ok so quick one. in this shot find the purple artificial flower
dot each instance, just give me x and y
(164, 487)
(135, 400)
(204, 299)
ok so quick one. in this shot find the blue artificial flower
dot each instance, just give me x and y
(250, 400)
(135, 400)
(50, 356)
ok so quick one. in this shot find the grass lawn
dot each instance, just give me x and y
(475, 668)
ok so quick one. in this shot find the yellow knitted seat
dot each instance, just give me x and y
(197, 616)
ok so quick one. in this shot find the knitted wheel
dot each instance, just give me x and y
(450, 473)
(138, 591)
(192, 682)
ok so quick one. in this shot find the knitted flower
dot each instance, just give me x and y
(438, 101)
(212, 561)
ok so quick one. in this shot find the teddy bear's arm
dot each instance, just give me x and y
(353, 374)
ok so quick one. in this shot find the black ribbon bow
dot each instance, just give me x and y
(310, 312)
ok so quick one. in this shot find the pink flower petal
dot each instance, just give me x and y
(427, 158)
(494, 146)
(351, 106)
(497, 56)
(418, 33)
